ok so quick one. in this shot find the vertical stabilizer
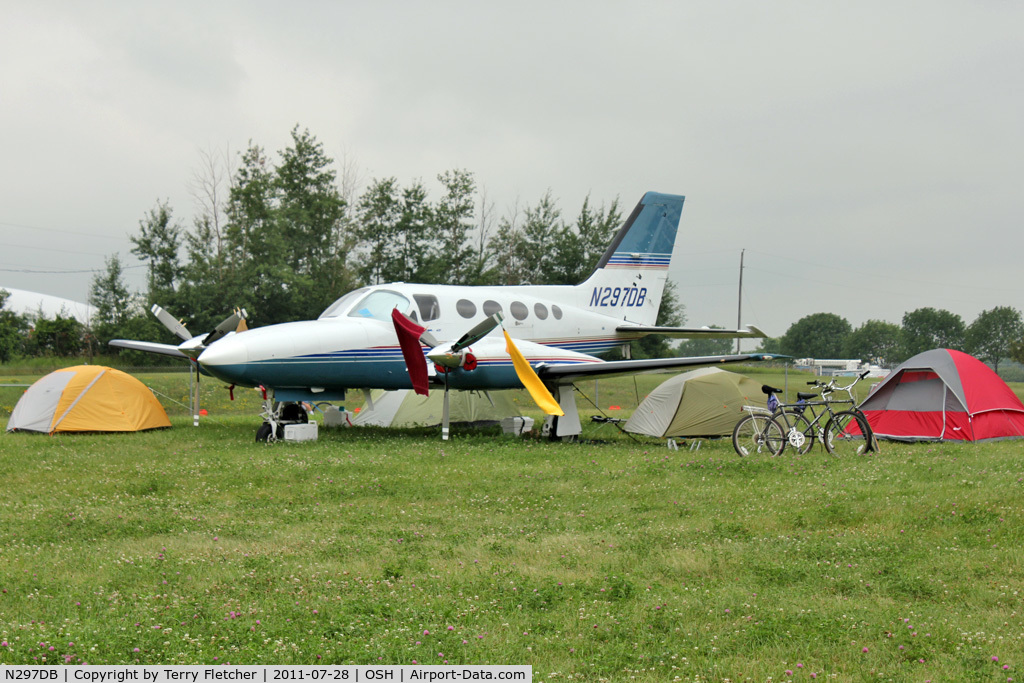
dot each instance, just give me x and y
(630, 278)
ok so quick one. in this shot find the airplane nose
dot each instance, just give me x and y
(224, 352)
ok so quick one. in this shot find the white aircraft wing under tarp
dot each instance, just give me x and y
(563, 374)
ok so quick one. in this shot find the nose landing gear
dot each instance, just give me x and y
(276, 415)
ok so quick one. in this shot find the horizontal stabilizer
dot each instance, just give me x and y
(148, 347)
(750, 331)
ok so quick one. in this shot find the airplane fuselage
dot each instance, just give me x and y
(353, 345)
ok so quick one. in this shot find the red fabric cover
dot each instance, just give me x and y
(917, 376)
(983, 388)
(908, 424)
(409, 339)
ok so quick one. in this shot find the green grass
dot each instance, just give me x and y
(612, 559)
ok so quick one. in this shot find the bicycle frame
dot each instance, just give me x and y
(815, 427)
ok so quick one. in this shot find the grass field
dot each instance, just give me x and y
(612, 559)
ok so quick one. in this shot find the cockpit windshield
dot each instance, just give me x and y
(342, 304)
(378, 305)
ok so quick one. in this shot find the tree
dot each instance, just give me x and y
(380, 215)
(575, 249)
(307, 213)
(928, 328)
(541, 228)
(511, 256)
(62, 335)
(259, 277)
(819, 335)
(13, 327)
(114, 304)
(452, 222)
(157, 244)
(993, 332)
(415, 252)
(204, 279)
(876, 341)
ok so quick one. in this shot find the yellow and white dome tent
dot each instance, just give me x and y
(87, 398)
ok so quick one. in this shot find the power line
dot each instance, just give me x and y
(77, 252)
(41, 271)
(22, 226)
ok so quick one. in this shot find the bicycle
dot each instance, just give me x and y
(755, 432)
(845, 432)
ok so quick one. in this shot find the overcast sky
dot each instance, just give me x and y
(868, 156)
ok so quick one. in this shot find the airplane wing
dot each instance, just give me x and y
(565, 374)
(692, 332)
(149, 347)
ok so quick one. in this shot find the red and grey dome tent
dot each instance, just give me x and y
(944, 395)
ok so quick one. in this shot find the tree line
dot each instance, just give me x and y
(284, 236)
(994, 336)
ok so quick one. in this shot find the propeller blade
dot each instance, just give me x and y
(477, 333)
(171, 323)
(229, 324)
(409, 334)
(541, 396)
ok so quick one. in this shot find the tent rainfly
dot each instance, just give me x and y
(944, 395)
(704, 402)
(87, 398)
(403, 408)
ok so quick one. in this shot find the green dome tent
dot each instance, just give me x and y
(705, 402)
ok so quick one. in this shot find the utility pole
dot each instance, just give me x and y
(739, 303)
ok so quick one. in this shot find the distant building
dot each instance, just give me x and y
(839, 366)
(31, 303)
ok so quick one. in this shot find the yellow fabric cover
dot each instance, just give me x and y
(541, 396)
(101, 399)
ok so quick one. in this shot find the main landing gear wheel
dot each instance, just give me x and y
(264, 433)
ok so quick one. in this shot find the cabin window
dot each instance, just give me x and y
(341, 305)
(378, 305)
(541, 311)
(466, 308)
(429, 308)
(491, 307)
(519, 310)
(557, 312)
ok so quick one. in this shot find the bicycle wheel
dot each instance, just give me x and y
(757, 434)
(872, 440)
(847, 433)
(796, 431)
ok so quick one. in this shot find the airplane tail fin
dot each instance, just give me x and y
(630, 278)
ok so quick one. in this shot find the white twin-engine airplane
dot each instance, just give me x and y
(381, 337)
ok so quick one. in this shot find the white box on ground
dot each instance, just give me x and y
(336, 418)
(516, 425)
(301, 432)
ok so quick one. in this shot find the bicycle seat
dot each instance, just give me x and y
(770, 390)
(804, 396)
